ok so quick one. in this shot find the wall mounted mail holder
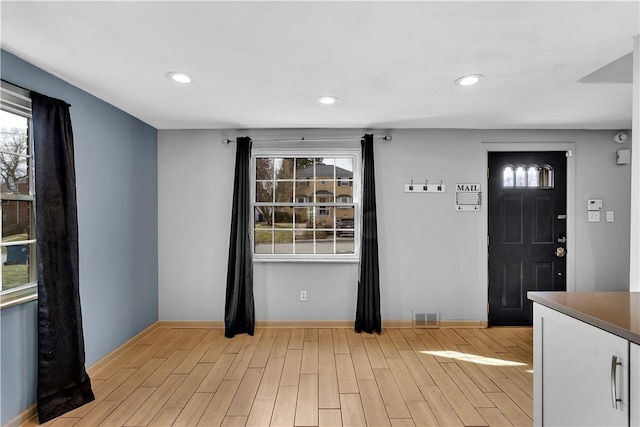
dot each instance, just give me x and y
(468, 197)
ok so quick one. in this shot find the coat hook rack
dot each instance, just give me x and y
(425, 188)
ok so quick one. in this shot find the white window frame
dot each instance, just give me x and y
(356, 156)
(17, 101)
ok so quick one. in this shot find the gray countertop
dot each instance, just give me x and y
(614, 312)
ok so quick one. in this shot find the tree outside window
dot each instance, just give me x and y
(18, 246)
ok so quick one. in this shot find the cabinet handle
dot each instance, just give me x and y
(614, 381)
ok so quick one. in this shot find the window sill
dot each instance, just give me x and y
(22, 295)
(308, 259)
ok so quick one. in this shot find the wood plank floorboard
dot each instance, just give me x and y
(181, 376)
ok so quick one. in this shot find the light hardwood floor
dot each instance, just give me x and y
(315, 377)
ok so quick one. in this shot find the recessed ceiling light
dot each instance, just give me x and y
(469, 80)
(179, 77)
(327, 100)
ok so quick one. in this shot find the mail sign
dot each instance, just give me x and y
(468, 197)
(468, 187)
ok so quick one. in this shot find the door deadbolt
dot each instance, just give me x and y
(560, 252)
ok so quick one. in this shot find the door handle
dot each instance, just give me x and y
(560, 252)
(614, 382)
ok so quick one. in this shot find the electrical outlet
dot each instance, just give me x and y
(303, 296)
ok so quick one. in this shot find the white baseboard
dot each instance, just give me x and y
(318, 324)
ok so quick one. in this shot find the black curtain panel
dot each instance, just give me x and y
(63, 383)
(368, 306)
(239, 309)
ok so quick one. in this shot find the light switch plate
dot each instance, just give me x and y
(609, 217)
(623, 157)
(594, 216)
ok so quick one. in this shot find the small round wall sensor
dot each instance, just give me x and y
(620, 137)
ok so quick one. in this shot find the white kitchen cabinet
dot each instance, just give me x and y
(581, 373)
(635, 384)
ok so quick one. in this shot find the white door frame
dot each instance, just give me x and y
(571, 204)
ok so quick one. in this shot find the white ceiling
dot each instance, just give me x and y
(392, 64)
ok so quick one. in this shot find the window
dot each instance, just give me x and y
(533, 173)
(521, 176)
(508, 177)
(323, 211)
(18, 245)
(532, 176)
(296, 215)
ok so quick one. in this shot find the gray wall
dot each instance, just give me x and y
(19, 347)
(116, 170)
(431, 257)
(603, 248)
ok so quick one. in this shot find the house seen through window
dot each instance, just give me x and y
(306, 206)
(18, 244)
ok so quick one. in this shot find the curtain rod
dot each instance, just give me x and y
(18, 86)
(28, 90)
(387, 138)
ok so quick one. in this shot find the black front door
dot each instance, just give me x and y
(527, 231)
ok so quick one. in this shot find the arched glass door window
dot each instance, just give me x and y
(508, 177)
(521, 176)
(546, 177)
(533, 176)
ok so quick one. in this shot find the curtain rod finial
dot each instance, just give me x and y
(225, 141)
(388, 137)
